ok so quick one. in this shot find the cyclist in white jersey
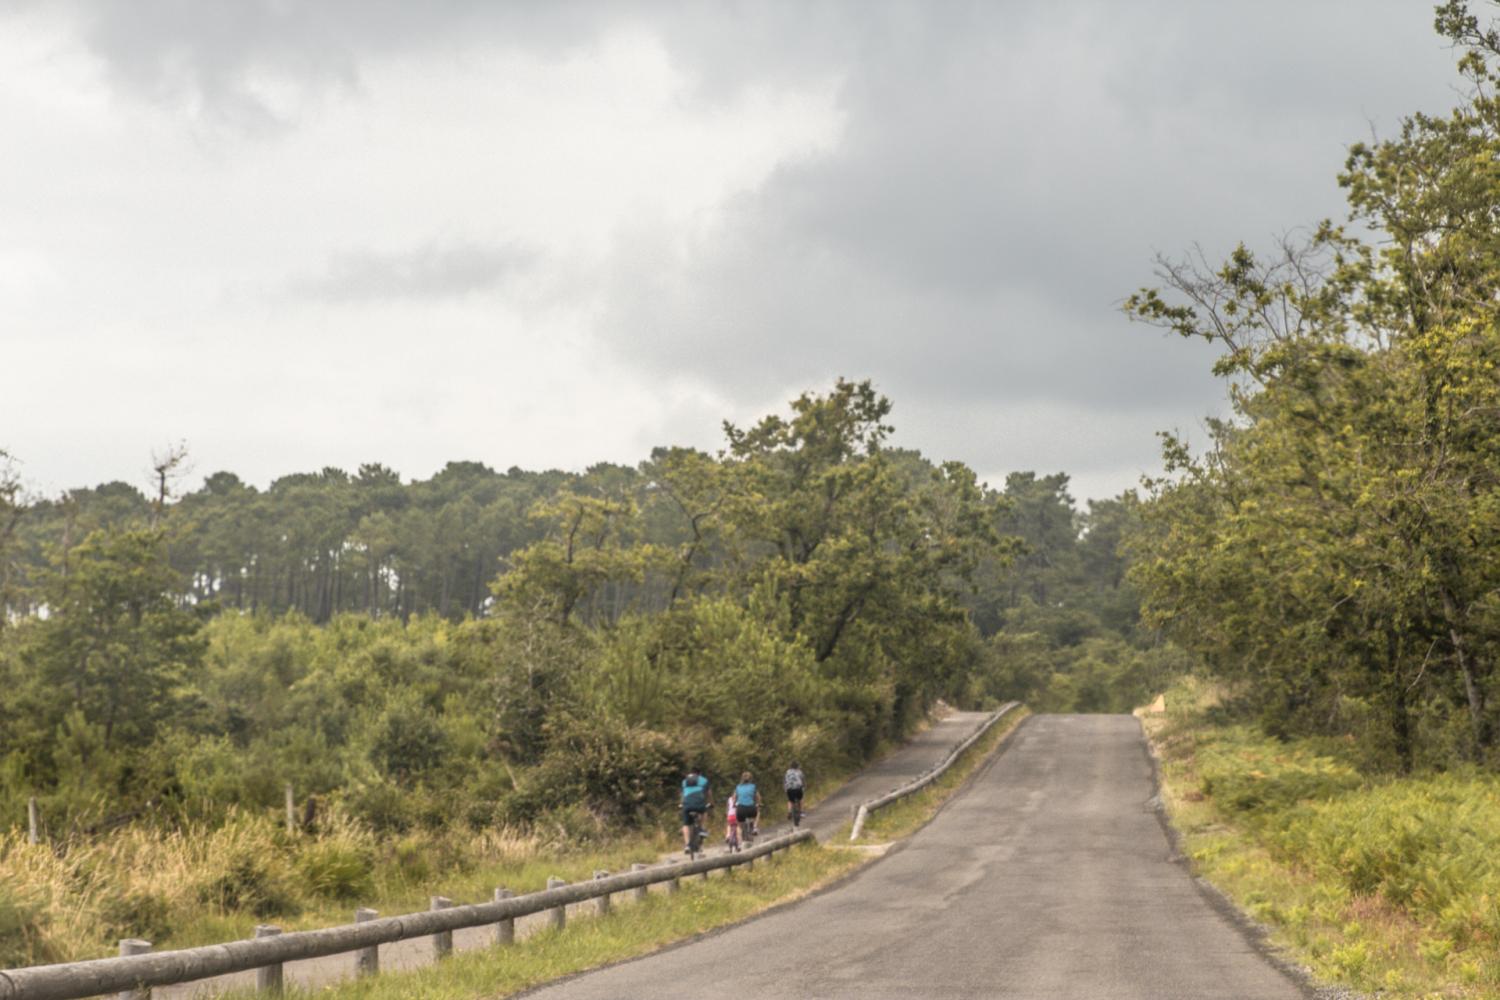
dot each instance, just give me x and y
(794, 781)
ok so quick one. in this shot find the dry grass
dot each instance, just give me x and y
(203, 884)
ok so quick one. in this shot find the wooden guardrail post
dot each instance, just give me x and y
(558, 915)
(268, 978)
(859, 822)
(134, 946)
(505, 930)
(442, 941)
(601, 903)
(366, 960)
(33, 822)
(640, 891)
(291, 809)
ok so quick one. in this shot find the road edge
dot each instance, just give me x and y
(1255, 933)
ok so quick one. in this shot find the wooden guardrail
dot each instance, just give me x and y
(268, 951)
(869, 806)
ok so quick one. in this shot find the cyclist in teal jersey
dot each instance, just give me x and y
(696, 801)
(747, 803)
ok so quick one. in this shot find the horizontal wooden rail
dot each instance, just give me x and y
(869, 806)
(75, 980)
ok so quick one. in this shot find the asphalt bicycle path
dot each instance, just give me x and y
(1050, 877)
(829, 815)
(909, 761)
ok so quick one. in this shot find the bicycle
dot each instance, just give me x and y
(696, 835)
(732, 839)
(796, 812)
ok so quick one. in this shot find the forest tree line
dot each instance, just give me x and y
(542, 647)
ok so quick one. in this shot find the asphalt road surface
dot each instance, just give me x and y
(892, 771)
(1049, 877)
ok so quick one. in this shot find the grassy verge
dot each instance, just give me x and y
(205, 885)
(901, 819)
(628, 932)
(1386, 885)
(474, 880)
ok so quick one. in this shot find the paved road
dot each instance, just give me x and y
(926, 749)
(1050, 877)
(896, 768)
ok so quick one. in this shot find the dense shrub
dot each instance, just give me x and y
(22, 930)
(242, 865)
(618, 771)
(247, 884)
(337, 868)
(136, 913)
(1255, 776)
(1430, 846)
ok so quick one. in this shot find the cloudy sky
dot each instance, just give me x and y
(297, 234)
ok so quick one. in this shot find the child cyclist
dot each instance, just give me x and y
(731, 829)
(747, 803)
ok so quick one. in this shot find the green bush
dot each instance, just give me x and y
(381, 805)
(1429, 846)
(337, 869)
(621, 773)
(1258, 777)
(409, 739)
(136, 914)
(248, 884)
(22, 931)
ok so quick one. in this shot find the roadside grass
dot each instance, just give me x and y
(465, 882)
(903, 818)
(629, 931)
(202, 883)
(1389, 885)
(178, 889)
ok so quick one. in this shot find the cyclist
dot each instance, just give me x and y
(747, 803)
(793, 782)
(696, 802)
(731, 830)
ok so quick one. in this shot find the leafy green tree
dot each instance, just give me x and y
(115, 644)
(1333, 546)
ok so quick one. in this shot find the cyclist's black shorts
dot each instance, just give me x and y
(745, 813)
(689, 813)
(794, 795)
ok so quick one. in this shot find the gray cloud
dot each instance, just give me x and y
(1006, 174)
(214, 62)
(1003, 175)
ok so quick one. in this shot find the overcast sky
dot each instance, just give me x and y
(305, 234)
